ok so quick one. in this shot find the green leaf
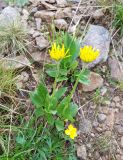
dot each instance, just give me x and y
(73, 109)
(38, 97)
(20, 139)
(84, 77)
(59, 125)
(60, 92)
(60, 79)
(73, 45)
(52, 72)
(39, 112)
(51, 105)
(74, 65)
(74, 48)
(50, 119)
(67, 110)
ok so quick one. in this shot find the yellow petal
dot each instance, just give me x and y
(67, 132)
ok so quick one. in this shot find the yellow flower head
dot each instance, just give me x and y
(57, 53)
(88, 54)
(71, 131)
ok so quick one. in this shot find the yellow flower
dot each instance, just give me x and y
(57, 53)
(71, 131)
(88, 54)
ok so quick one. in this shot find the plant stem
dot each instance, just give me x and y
(55, 82)
(75, 85)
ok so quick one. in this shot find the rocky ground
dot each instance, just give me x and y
(100, 117)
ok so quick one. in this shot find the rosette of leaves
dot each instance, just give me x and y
(69, 63)
(55, 108)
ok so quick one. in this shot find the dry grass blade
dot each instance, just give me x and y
(13, 38)
(7, 81)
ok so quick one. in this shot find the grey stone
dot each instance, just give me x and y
(50, 1)
(116, 69)
(45, 15)
(95, 124)
(41, 42)
(2, 5)
(85, 126)
(96, 81)
(33, 11)
(101, 118)
(48, 6)
(116, 99)
(81, 152)
(119, 129)
(98, 14)
(16, 62)
(99, 38)
(63, 13)
(61, 3)
(76, 1)
(38, 23)
(61, 24)
(9, 15)
(121, 143)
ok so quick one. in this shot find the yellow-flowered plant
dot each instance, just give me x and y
(58, 53)
(71, 131)
(88, 54)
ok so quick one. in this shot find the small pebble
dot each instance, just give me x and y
(121, 142)
(101, 118)
(116, 99)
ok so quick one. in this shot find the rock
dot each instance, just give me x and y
(36, 34)
(96, 81)
(98, 14)
(16, 62)
(103, 90)
(38, 23)
(41, 42)
(61, 3)
(85, 126)
(63, 13)
(95, 124)
(112, 105)
(50, 1)
(24, 76)
(116, 71)
(61, 24)
(72, 29)
(34, 1)
(19, 84)
(81, 152)
(41, 57)
(24, 17)
(101, 118)
(121, 143)
(21, 79)
(25, 14)
(116, 99)
(119, 129)
(45, 15)
(48, 6)
(33, 11)
(9, 15)
(2, 5)
(75, 1)
(98, 37)
(110, 119)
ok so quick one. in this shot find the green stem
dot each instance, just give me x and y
(75, 85)
(55, 82)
